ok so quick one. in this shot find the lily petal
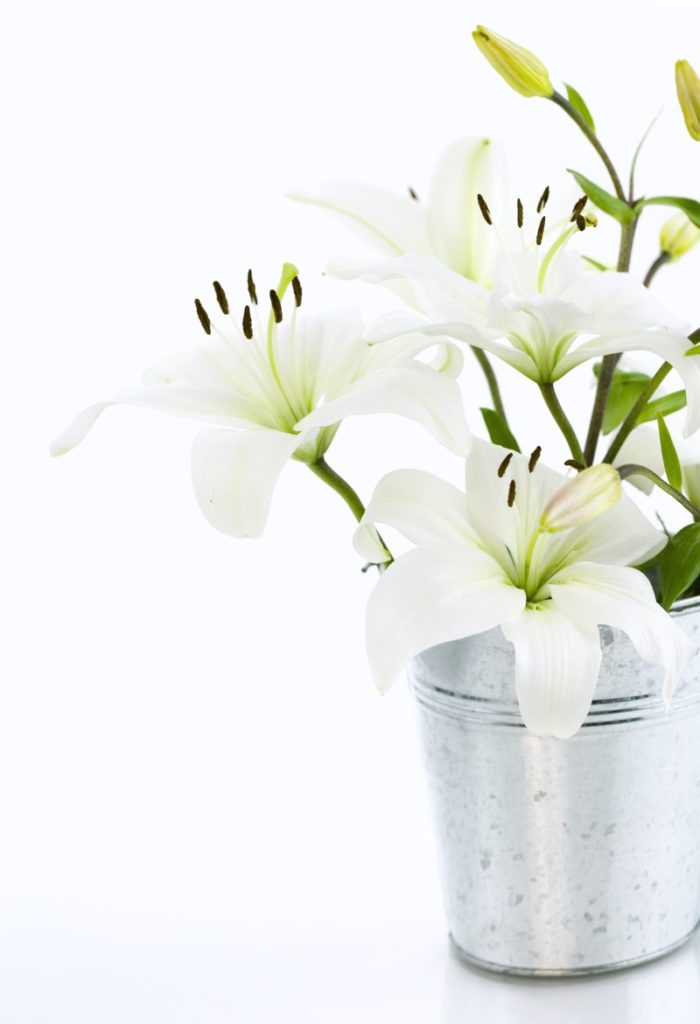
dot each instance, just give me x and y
(460, 236)
(191, 401)
(556, 670)
(421, 506)
(670, 345)
(416, 392)
(593, 594)
(234, 474)
(397, 224)
(429, 596)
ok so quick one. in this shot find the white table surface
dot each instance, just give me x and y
(104, 973)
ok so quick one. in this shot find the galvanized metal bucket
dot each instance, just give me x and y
(563, 856)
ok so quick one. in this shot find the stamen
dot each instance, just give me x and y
(511, 494)
(483, 206)
(413, 194)
(540, 232)
(252, 292)
(276, 306)
(574, 464)
(521, 216)
(543, 200)
(296, 288)
(581, 223)
(221, 298)
(504, 465)
(578, 207)
(203, 316)
(534, 458)
(247, 324)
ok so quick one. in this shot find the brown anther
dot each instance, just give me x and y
(483, 206)
(504, 465)
(221, 298)
(534, 458)
(578, 207)
(511, 494)
(247, 323)
(581, 223)
(296, 288)
(413, 194)
(521, 214)
(540, 231)
(252, 291)
(203, 316)
(574, 464)
(276, 306)
(542, 202)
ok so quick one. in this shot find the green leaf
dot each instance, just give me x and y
(663, 406)
(690, 207)
(680, 564)
(672, 464)
(624, 391)
(579, 104)
(498, 429)
(605, 201)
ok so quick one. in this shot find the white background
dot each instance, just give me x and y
(206, 812)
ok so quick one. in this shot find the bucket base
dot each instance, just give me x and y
(567, 972)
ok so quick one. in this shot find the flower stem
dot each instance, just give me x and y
(339, 485)
(661, 260)
(632, 469)
(562, 102)
(492, 381)
(609, 363)
(562, 420)
(630, 420)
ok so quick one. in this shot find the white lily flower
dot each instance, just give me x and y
(546, 314)
(280, 392)
(447, 227)
(482, 559)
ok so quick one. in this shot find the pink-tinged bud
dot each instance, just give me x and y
(588, 495)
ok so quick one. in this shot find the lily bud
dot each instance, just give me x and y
(678, 236)
(688, 89)
(522, 70)
(587, 496)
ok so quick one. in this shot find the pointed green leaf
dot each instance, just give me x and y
(595, 263)
(663, 406)
(672, 464)
(680, 564)
(579, 104)
(605, 201)
(690, 207)
(498, 429)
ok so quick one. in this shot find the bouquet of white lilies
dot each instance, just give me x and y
(547, 556)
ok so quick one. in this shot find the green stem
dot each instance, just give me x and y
(632, 469)
(351, 498)
(630, 420)
(562, 102)
(609, 363)
(562, 420)
(339, 485)
(492, 381)
(661, 260)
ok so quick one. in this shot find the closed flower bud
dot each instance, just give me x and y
(522, 70)
(587, 496)
(688, 89)
(678, 236)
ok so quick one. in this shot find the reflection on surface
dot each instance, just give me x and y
(641, 995)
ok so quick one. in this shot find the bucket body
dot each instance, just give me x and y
(563, 856)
